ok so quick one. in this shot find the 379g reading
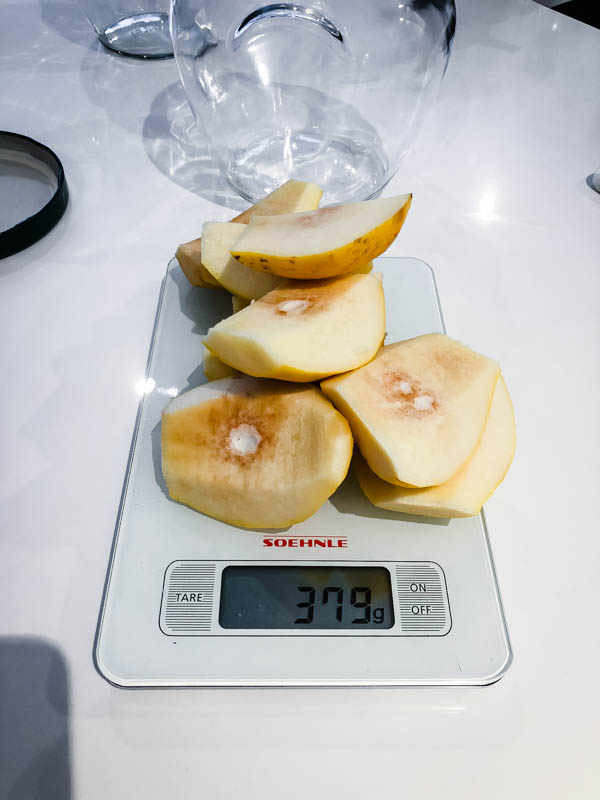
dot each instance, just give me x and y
(268, 597)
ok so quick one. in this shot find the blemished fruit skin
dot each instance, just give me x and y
(290, 197)
(217, 238)
(304, 330)
(324, 243)
(418, 409)
(466, 492)
(257, 454)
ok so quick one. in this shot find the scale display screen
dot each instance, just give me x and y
(306, 597)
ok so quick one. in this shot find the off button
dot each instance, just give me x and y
(422, 599)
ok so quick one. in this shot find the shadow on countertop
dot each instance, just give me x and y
(177, 146)
(34, 721)
(67, 20)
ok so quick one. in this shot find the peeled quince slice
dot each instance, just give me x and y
(323, 243)
(217, 238)
(290, 197)
(215, 369)
(259, 454)
(465, 493)
(304, 330)
(188, 255)
(418, 409)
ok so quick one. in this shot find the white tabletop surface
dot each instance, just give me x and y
(504, 215)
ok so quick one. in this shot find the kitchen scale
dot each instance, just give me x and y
(355, 595)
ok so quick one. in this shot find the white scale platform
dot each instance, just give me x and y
(160, 623)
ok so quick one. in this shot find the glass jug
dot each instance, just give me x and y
(332, 91)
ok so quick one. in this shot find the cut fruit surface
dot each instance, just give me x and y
(217, 238)
(291, 197)
(259, 454)
(418, 409)
(303, 331)
(215, 369)
(188, 255)
(322, 243)
(465, 493)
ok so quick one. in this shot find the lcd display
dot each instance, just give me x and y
(306, 597)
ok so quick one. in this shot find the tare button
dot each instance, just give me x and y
(187, 601)
(422, 599)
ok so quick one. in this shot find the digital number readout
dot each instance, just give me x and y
(306, 597)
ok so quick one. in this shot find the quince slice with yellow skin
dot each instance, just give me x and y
(290, 197)
(418, 409)
(323, 243)
(259, 454)
(304, 330)
(217, 238)
(465, 493)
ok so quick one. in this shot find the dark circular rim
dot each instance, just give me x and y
(32, 229)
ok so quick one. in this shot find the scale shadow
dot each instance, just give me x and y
(35, 730)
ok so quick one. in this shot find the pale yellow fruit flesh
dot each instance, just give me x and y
(305, 330)
(215, 369)
(217, 238)
(188, 255)
(465, 493)
(258, 454)
(322, 243)
(418, 409)
(289, 198)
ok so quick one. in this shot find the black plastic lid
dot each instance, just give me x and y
(33, 192)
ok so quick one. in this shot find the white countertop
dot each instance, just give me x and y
(503, 214)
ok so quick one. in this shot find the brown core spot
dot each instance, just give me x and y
(407, 395)
(305, 297)
(293, 307)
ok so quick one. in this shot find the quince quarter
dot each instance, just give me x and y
(418, 409)
(465, 493)
(321, 244)
(258, 454)
(304, 330)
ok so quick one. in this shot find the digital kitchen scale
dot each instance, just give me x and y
(355, 595)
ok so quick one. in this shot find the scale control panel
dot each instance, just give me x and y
(302, 598)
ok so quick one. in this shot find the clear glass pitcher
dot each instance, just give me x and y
(332, 91)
